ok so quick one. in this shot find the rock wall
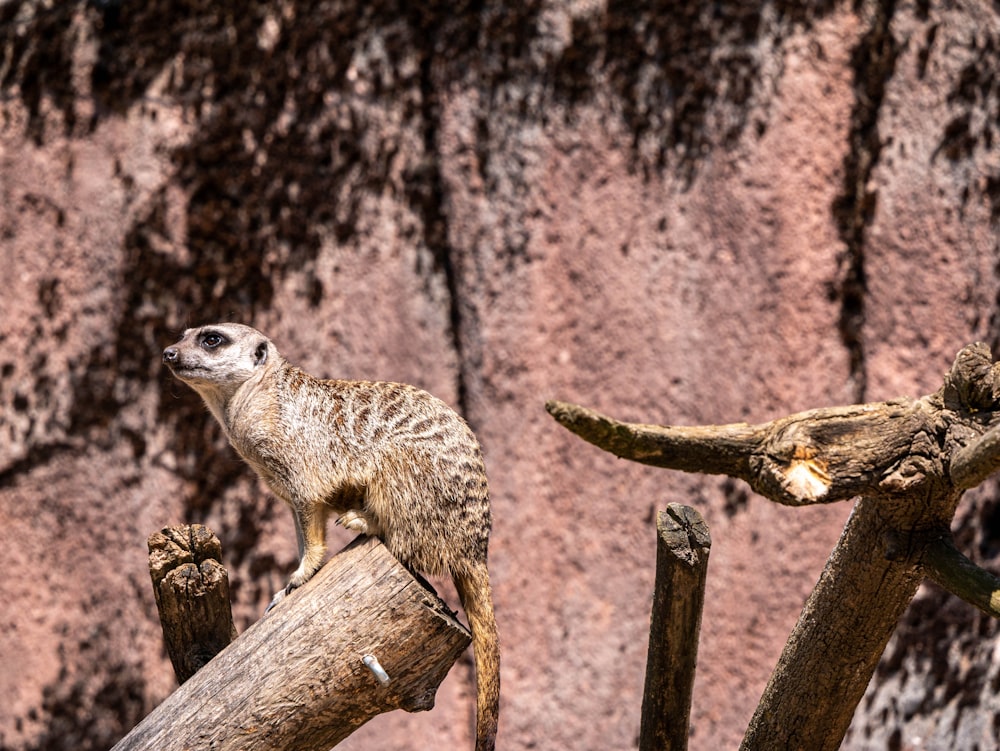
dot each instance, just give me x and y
(675, 213)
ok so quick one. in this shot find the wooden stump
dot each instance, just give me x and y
(191, 588)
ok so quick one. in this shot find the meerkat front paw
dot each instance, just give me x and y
(358, 521)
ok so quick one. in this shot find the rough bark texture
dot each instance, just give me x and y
(675, 212)
(298, 678)
(191, 589)
(948, 567)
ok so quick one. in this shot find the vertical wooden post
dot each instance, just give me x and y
(682, 547)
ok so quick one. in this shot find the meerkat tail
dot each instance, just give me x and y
(474, 591)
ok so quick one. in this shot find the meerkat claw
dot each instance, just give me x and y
(278, 597)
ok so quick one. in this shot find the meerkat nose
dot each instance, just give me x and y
(170, 355)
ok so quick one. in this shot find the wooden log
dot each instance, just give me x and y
(191, 588)
(303, 677)
(682, 547)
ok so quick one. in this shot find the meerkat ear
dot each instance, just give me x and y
(260, 354)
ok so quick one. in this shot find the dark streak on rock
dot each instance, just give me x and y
(874, 62)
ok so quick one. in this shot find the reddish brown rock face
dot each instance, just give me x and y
(673, 216)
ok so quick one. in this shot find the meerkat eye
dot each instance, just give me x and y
(212, 340)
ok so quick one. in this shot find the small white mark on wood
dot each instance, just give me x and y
(371, 662)
(806, 477)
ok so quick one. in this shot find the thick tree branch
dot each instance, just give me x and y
(871, 593)
(841, 633)
(945, 565)
(715, 450)
(819, 456)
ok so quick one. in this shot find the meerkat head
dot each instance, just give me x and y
(216, 360)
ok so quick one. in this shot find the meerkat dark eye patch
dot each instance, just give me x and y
(212, 339)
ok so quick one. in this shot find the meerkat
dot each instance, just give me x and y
(386, 459)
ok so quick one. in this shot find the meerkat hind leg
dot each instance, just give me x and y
(310, 533)
(300, 536)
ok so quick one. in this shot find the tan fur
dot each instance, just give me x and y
(385, 459)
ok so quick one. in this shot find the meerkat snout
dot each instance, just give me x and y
(170, 355)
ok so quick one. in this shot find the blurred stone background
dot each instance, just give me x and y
(672, 212)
